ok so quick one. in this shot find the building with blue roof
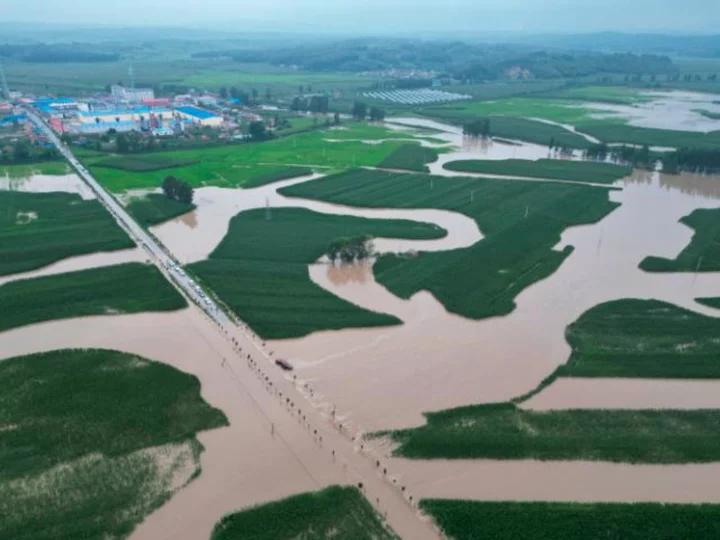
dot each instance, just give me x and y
(200, 116)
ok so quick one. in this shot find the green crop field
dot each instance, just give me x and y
(53, 168)
(144, 162)
(124, 288)
(276, 174)
(566, 112)
(410, 157)
(240, 165)
(643, 338)
(712, 302)
(703, 252)
(505, 431)
(578, 171)
(155, 208)
(510, 127)
(93, 441)
(521, 221)
(608, 94)
(623, 133)
(260, 269)
(505, 520)
(37, 229)
(334, 512)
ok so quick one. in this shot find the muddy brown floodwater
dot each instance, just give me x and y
(667, 110)
(385, 378)
(192, 237)
(44, 183)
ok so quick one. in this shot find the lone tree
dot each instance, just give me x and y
(257, 130)
(178, 190)
(359, 110)
(377, 114)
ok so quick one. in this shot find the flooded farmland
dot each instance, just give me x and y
(45, 183)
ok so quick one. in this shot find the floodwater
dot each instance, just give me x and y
(582, 481)
(44, 183)
(82, 262)
(385, 378)
(266, 452)
(193, 237)
(668, 110)
(614, 393)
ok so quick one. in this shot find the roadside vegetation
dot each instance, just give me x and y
(410, 157)
(334, 512)
(703, 252)
(576, 171)
(154, 208)
(72, 465)
(521, 221)
(505, 520)
(506, 431)
(37, 229)
(643, 338)
(260, 269)
(111, 290)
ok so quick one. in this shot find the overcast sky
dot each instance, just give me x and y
(370, 16)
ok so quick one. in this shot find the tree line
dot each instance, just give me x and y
(178, 190)
(55, 53)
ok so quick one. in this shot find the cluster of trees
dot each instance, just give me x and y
(22, 151)
(477, 128)
(631, 155)
(56, 53)
(247, 97)
(347, 250)
(360, 111)
(178, 190)
(463, 61)
(314, 104)
(697, 160)
(134, 141)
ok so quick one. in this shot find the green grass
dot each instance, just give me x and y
(144, 162)
(53, 168)
(37, 229)
(578, 171)
(643, 338)
(608, 94)
(505, 520)
(410, 157)
(521, 221)
(260, 269)
(124, 288)
(703, 252)
(85, 434)
(277, 175)
(505, 431)
(509, 127)
(155, 208)
(623, 133)
(566, 112)
(334, 512)
(240, 165)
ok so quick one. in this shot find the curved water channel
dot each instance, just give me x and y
(385, 378)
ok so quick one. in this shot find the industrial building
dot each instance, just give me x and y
(131, 95)
(200, 116)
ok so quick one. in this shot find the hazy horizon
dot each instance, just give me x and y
(379, 16)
